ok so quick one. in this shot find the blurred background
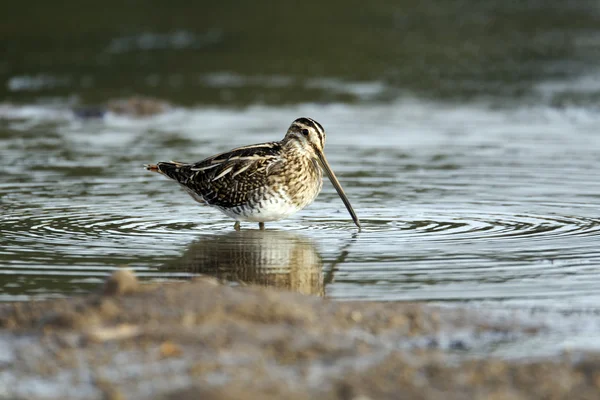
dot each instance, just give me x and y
(464, 132)
(241, 53)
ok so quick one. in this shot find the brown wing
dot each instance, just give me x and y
(229, 179)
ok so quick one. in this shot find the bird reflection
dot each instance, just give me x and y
(268, 258)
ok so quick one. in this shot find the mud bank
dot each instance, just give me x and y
(201, 339)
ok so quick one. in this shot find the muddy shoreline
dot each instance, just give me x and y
(204, 339)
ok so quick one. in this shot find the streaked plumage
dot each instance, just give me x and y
(262, 182)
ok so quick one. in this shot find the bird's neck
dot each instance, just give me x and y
(294, 146)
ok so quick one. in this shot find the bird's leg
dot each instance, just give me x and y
(261, 226)
(236, 226)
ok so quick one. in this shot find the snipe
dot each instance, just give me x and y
(262, 182)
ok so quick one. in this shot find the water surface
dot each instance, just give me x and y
(466, 202)
(464, 133)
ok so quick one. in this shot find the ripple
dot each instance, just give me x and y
(505, 226)
(456, 205)
(466, 225)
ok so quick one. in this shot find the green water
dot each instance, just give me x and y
(241, 53)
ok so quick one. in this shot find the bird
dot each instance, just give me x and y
(263, 182)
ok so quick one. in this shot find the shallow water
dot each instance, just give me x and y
(464, 133)
(459, 202)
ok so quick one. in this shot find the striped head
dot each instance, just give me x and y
(306, 134)
(308, 137)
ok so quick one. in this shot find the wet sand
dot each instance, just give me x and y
(201, 339)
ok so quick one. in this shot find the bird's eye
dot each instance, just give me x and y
(305, 132)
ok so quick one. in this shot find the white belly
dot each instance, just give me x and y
(274, 209)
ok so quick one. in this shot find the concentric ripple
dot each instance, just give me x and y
(506, 226)
(502, 210)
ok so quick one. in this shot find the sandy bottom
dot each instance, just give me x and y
(201, 339)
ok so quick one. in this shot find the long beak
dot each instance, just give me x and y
(337, 186)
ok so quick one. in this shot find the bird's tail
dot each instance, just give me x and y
(173, 169)
(152, 167)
